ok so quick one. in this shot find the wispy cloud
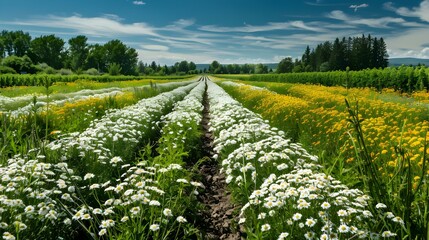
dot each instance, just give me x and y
(155, 47)
(271, 26)
(422, 11)
(356, 7)
(382, 22)
(139, 3)
(106, 25)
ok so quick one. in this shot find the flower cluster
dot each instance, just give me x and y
(181, 127)
(279, 183)
(119, 131)
(30, 195)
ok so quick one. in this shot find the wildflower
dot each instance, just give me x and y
(242, 220)
(265, 227)
(88, 176)
(380, 205)
(283, 235)
(115, 160)
(297, 216)
(97, 211)
(342, 213)
(8, 236)
(309, 235)
(325, 205)
(29, 209)
(310, 222)
(135, 210)
(343, 228)
(102, 232)
(398, 220)
(86, 216)
(154, 227)
(389, 215)
(181, 180)
(154, 203)
(181, 219)
(387, 234)
(167, 212)
(107, 223)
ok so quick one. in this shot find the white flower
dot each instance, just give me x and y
(325, 205)
(388, 234)
(265, 227)
(310, 222)
(135, 210)
(181, 180)
(29, 209)
(181, 219)
(343, 228)
(8, 236)
(125, 218)
(309, 235)
(167, 212)
(380, 205)
(154, 203)
(242, 220)
(115, 160)
(283, 236)
(88, 176)
(342, 213)
(297, 216)
(102, 232)
(154, 227)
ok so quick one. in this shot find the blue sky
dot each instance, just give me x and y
(230, 31)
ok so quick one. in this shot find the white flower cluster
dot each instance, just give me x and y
(30, 193)
(279, 183)
(118, 132)
(182, 124)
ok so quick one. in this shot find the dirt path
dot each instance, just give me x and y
(219, 215)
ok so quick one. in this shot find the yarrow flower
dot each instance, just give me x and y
(181, 219)
(154, 227)
(265, 227)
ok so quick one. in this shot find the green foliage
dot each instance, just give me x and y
(7, 70)
(403, 79)
(114, 69)
(19, 64)
(48, 49)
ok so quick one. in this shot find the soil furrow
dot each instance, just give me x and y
(218, 217)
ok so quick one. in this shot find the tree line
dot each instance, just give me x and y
(20, 53)
(217, 68)
(357, 53)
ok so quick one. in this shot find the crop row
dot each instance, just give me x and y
(281, 186)
(7, 80)
(48, 192)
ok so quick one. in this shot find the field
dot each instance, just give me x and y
(209, 158)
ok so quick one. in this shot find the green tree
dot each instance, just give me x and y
(114, 69)
(14, 43)
(119, 53)
(183, 67)
(97, 58)
(78, 52)
(192, 66)
(215, 67)
(261, 69)
(285, 65)
(48, 49)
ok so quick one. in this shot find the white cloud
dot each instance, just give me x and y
(153, 47)
(271, 26)
(338, 15)
(106, 25)
(139, 3)
(382, 22)
(422, 11)
(356, 7)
